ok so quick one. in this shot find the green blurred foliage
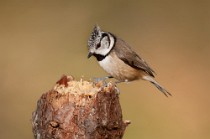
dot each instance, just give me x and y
(41, 40)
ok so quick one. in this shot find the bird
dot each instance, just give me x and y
(118, 59)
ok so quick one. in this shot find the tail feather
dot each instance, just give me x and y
(155, 83)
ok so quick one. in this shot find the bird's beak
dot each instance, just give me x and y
(89, 55)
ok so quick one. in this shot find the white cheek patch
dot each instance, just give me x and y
(106, 47)
(105, 42)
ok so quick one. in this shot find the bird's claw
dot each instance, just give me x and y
(102, 79)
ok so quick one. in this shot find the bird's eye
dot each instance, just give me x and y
(98, 45)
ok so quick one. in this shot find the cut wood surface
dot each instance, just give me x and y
(79, 110)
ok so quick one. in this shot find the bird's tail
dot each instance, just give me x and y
(152, 80)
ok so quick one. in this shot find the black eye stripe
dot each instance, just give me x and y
(98, 45)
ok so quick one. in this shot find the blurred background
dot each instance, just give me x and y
(42, 40)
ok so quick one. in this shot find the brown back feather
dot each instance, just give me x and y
(126, 54)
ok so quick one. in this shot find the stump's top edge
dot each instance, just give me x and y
(67, 84)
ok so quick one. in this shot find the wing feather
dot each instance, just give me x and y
(126, 54)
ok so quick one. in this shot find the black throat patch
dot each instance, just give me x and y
(99, 57)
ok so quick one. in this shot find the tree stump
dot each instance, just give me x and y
(79, 110)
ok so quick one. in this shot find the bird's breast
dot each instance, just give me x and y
(119, 69)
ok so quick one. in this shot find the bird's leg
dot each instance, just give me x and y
(117, 82)
(109, 77)
(103, 79)
(125, 81)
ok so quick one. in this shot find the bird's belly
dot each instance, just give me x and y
(118, 69)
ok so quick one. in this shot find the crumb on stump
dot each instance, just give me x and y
(79, 110)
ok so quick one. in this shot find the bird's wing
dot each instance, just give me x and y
(126, 54)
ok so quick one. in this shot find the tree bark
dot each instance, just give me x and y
(79, 110)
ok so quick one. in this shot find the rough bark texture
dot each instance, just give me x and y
(79, 110)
